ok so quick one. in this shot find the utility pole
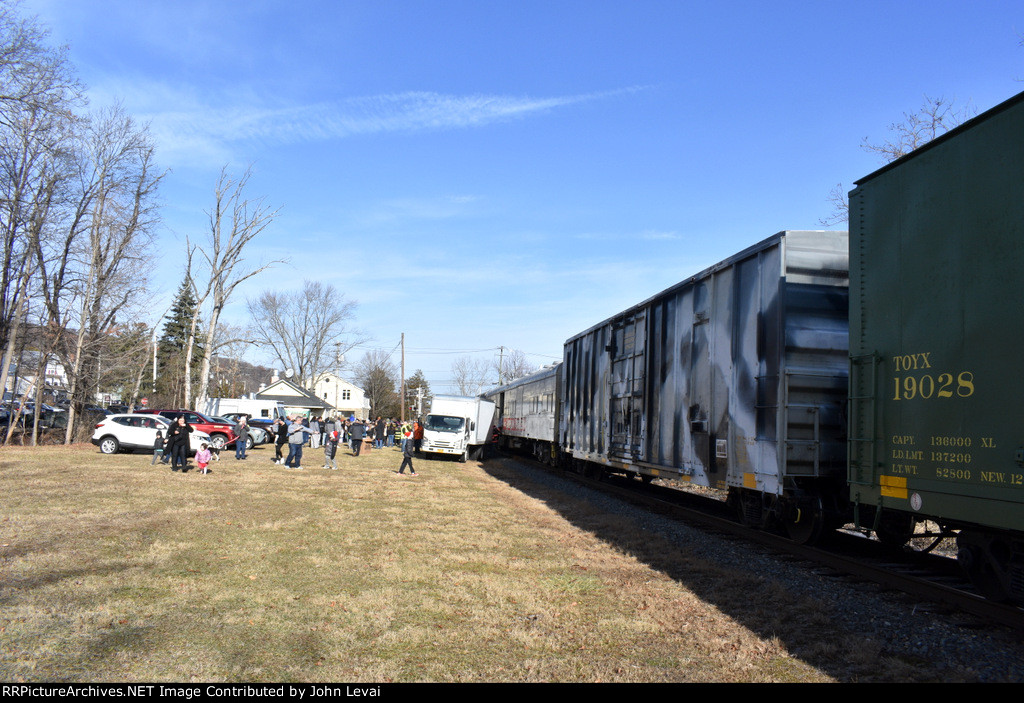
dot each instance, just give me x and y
(402, 396)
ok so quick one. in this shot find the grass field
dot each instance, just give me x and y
(119, 571)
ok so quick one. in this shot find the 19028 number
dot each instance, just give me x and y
(927, 386)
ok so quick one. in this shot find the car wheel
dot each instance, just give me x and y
(109, 445)
(249, 443)
(218, 441)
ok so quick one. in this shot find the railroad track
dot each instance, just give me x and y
(931, 578)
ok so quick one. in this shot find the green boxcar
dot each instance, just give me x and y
(936, 332)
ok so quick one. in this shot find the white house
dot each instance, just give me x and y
(331, 395)
(346, 397)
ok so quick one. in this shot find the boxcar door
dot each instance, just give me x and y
(627, 381)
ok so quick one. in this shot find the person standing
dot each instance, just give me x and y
(203, 457)
(314, 433)
(177, 443)
(242, 431)
(281, 439)
(330, 450)
(406, 434)
(357, 431)
(158, 448)
(296, 438)
(407, 460)
(417, 435)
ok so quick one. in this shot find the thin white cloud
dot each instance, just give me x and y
(187, 126)
(649, 235)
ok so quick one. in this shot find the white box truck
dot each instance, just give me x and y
(458, 425)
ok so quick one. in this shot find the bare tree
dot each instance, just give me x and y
(935, 117)
(377, 374)
(512, 365)
(470, 375)
(235, 221)
(305, 329)
(38, 96)
(116, 213)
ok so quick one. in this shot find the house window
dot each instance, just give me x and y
(346, 395)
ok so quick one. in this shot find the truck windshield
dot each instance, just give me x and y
(444, 423)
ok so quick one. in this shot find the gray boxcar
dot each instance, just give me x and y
(734, 378)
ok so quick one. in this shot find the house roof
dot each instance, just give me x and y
(291, 394)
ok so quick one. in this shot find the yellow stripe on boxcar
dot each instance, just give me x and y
(894, 486)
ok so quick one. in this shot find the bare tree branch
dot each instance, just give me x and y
(305, 329)
(234, 222)
(934, 118)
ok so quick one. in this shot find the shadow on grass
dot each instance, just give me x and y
(807, 629)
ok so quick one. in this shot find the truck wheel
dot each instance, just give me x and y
(218, 441)
(462, 459)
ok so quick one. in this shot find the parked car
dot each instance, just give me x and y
(49, 416)
(132, 431)
(221, 433)
(257, 435)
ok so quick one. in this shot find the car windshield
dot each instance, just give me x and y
(444, 423)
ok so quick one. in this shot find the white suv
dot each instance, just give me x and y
(137, 431)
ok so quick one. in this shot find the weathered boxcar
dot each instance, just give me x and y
(936, 332)
(734, 378)
(527, 414)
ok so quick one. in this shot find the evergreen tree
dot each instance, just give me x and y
(170, 381)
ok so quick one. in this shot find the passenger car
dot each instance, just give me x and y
(257, 435)
(221, 433)
(132, 431)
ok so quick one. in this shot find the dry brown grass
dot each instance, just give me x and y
(116, 570)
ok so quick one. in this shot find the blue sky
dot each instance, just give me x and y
(480, 173)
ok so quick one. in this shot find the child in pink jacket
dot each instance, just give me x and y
(203, 457)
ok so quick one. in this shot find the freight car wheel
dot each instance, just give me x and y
(895, 529)
(805, 523)
(986, 559)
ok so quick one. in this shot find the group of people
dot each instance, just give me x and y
(173, 448)
(296, 432)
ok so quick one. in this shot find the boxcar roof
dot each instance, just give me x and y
(725, 263)
(969, 124)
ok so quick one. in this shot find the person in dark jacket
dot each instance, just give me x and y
(330, 450)
(177, 443)
(282, 439)
(407, 453)
(356, 432)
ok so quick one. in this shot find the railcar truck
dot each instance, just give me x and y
(458, 425)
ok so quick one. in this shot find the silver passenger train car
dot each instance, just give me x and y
(526, 414)
(734, 378)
